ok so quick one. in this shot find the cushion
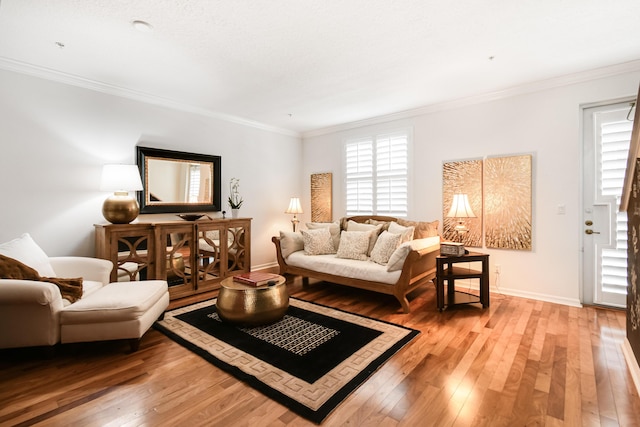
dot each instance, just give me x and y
(385, 246)
(334, 229)
(354, 245)
(422, 229)
(25, 250)
(317, 242)
(290, 242)
(397, 258)
(374, 229)
(70, 289)
(384, 224)
(406, 233)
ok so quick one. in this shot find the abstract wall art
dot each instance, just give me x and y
(462, 177)
(321, 197)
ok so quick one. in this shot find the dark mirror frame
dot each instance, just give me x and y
(143, 152)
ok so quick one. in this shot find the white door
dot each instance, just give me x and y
(607, 132)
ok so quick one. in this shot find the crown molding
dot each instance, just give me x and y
(531, 87)
(73, 80)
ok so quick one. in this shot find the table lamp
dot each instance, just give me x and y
(460, 209)
(294, 208)
(120, 208)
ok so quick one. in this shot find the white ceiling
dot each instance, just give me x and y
(303, 65)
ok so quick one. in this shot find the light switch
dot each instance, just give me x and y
(561, 210)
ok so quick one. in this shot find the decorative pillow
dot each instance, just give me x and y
(70, 289)
(354, 245)
(397, 258)
(405, 232)
(384, 224)
(423, 229)
(25, 250)
(318, 242)
(374, 229)
(334, 229)
(386, 245)
(290, 242)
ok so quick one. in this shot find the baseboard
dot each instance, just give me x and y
(266, 266)
(523, 294)
(632, 363)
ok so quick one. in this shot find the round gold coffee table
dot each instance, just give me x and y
(250, 305)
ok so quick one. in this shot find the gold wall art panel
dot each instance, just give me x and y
(508, 202)
(321, 198)
(462, 177)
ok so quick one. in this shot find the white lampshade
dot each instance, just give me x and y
(460, 208)
(120, 178)
(294, 206)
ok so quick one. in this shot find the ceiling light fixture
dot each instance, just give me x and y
(142, 26)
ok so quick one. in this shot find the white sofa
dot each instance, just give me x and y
(34, 313)
(408, 265)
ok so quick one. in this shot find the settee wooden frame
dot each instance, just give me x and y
(418, 269)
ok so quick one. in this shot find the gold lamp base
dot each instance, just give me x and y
(120, 208)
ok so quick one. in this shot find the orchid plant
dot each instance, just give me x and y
(235, 200)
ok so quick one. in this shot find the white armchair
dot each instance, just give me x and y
(34, 313)
(30, 310)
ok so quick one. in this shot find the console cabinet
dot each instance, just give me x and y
(192, 257)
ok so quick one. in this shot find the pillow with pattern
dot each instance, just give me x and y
(375, 230)
(406, 233)
(334, 229)
(317, 242)
(354, 245)
(386, 245)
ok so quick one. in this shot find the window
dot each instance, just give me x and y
(376, 171)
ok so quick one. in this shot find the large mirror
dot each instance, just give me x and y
(175, 181)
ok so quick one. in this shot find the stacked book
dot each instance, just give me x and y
(256, 278)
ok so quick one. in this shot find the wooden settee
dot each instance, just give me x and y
(419, 268)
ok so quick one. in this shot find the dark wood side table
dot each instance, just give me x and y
(447, 271)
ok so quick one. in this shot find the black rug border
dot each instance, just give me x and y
(332, 403)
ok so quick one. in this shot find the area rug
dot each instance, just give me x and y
(309, 361)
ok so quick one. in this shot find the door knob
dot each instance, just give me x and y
(590, 231)
(588, 223)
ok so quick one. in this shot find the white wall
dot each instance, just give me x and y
(545, 123)
(54, 139)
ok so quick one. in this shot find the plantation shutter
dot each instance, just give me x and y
(615, 148)
(377, 175)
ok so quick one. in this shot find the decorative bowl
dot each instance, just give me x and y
(190, 217)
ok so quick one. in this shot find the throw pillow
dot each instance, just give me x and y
(405, 232)
(384, 224)
(334, 229)
(374, 229)
(290, 242)
(317, 242)
(397, 258)
(354, 245)
(423, 229)
(70, 289)
(386, 245)
(25, 250)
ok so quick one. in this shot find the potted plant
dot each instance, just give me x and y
(234, 200)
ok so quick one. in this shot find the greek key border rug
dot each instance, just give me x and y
(309, 361)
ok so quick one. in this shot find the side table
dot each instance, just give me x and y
(446, 271)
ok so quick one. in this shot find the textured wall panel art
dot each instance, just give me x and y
(507, 202)
(321, 199)
(463, 177)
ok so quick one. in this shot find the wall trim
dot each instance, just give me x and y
(493, 291)
(525, 88)
(73, 80)
(632, 363)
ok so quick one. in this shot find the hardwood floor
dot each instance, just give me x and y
(520, 362)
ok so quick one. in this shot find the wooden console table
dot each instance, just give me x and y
(192, 256)
(446, 271)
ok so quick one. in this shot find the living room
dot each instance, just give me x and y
(58, 130)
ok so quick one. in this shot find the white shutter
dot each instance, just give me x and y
(359, 177)
(615, 148)
(376, 170)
